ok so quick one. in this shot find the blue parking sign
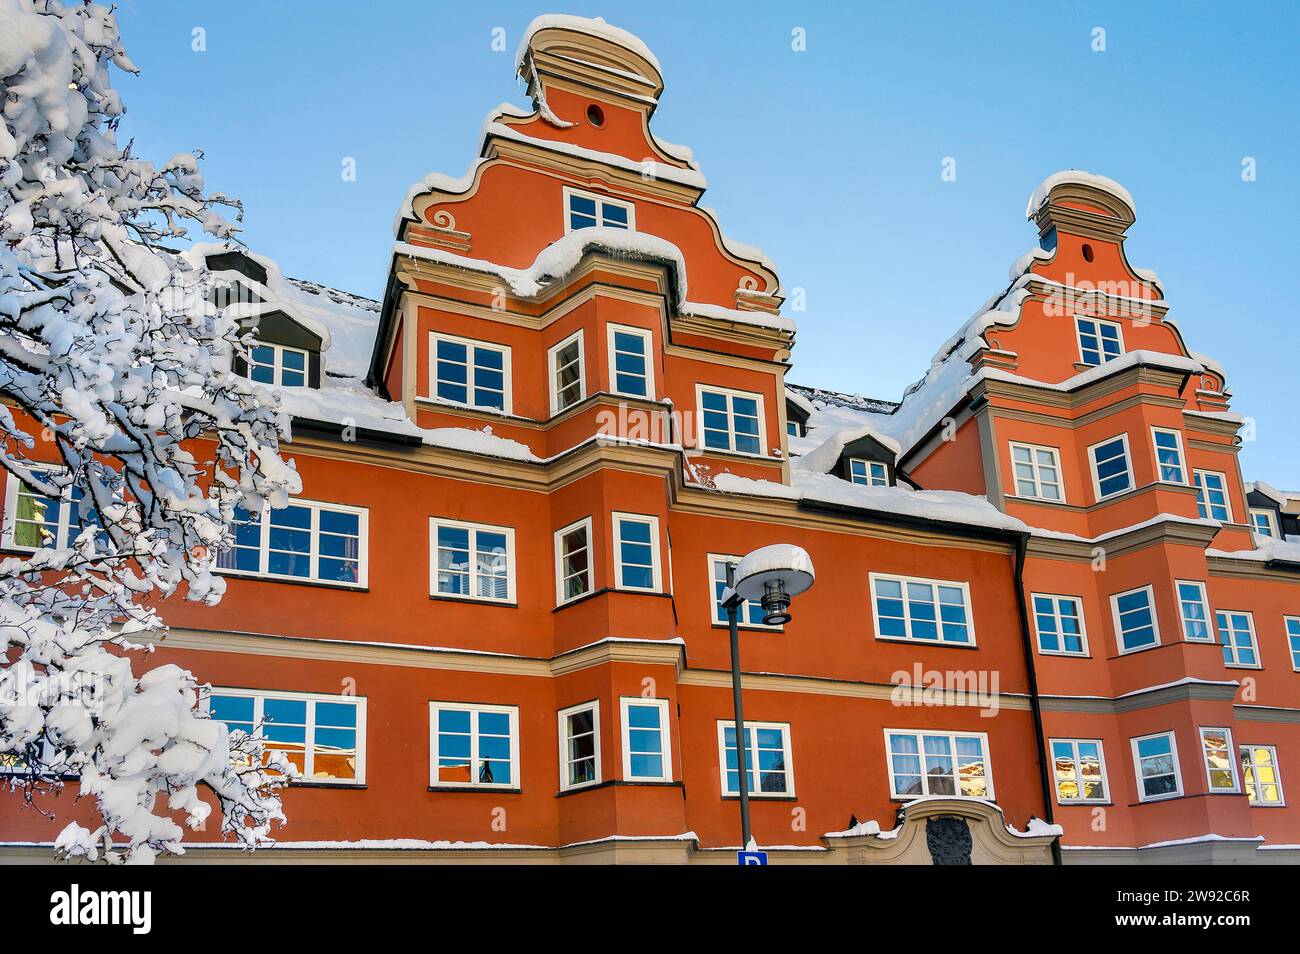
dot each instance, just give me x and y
(751, 857)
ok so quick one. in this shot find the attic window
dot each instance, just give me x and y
(278, 365)
(595, 115)
(583, 210)
(869, 473)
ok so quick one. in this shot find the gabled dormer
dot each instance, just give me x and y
(286, 351)
(861, 455)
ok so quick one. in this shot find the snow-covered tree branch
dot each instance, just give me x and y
(133, 441)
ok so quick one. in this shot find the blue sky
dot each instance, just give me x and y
(829, 159)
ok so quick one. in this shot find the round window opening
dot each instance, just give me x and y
(595, 115)
(1087, 253)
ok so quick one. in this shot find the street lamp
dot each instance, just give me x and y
(771, 576)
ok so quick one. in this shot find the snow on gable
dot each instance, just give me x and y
(593, 26)
(1077, 177)
(562, 256)
(823, 458)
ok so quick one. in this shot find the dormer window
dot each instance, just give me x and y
(1099, 341)
(869, 473)
(584, 210)
(1264, 522)
(278, 365)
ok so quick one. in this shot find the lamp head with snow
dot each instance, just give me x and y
(772, 576)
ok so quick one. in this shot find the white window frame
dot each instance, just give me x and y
(1291, 628)
(470, 344)
(1128, 467)
(563, 719)
(316, 506)
(1078, 338)
(873, 578)
(665, 737)
(1155, 619)
(1254, 640)
(259, 697)
(473, 528)
(956, 774)
(786, 745)
(730, 393)
(645, 335)
(1178, 447)
(617, 518)
(870, 469)
(1201, 493)
(1211, 623)
(1233, 757)
(63, 531)
(516, 780)
(742, 612)
(1037, 478)
(558, 538)
(1056, 614)
(1247, 747)
(1137, 766)
(1078, 771)
(600, 201)
(1270, 518)
(277, 366)
(552, 371)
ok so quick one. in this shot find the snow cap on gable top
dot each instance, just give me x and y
(591, 54)
(1082, 202)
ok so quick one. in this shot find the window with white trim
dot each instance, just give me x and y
(793, 428)
(1079, 768)
(938, 763)
(1099, 341)
(568, 373)
(636, 552)
(1194, 611)
(631, 361)
(928, 611)
(573, 561)
(1237, 637)
(470, 373)
(769, 770)
(472, 561)
(1155, 764)
(307, 540)
(647, 755)
(323, 735)
(1259, 773)
(1037, 471)
(1135, 619)
(34, 521)
(278, 365)
(1169, 455)
(1264, 523)
(1111, 473)
(580, 745)
(1292, 624)
(1212, 496)
(731, 420)
(1220, 757)
(749, 614)
(584, 210)
(473, 746)
(869, 473)
(1058, 621)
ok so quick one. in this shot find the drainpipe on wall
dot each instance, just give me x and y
(1022, 543)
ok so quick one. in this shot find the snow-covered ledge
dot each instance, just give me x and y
(940, 829)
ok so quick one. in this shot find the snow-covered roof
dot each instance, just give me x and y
(823, 458)
(1079, 177)
(1281, 497)
(592, 26)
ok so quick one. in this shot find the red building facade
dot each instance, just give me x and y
(490, 630)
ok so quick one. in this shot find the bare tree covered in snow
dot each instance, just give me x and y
(114, 368)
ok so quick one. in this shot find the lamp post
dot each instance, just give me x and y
(772, 575)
